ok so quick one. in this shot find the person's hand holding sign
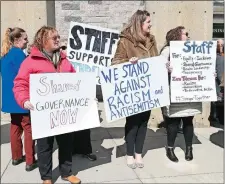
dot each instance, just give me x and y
(96, 101)
(169, 68)
(28, 105)
(133, 60)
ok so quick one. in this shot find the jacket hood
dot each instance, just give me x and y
(127, 34)
(35, 52)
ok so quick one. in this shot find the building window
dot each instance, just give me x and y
(218, 19)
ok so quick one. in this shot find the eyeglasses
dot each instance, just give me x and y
(186, 34)
(63, 47)
(55, 37)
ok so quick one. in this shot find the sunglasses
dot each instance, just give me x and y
(55, 37)
(63, 47)
(186, 34)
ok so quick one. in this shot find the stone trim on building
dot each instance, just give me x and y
(109, 14)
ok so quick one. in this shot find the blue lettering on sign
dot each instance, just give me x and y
(80, 67)
(204, 47)
(130, 70)
(133, 94)
(132, 85)
(123, 107)
(159, 91)
(134, 70)
(108, 77)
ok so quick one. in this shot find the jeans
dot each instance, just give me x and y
(135, 132)
(173, 127)
(44, 153)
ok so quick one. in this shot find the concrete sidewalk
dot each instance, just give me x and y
(109, 146)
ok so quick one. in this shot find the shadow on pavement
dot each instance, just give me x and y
(106, 141)
(157, 139)
(218, 138)
(5, 133)
(103, 144)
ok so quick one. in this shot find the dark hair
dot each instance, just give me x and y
(11, 35)
(173, 35)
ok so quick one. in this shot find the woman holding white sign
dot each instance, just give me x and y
(135, 43)
(45, 57)
(176, 112)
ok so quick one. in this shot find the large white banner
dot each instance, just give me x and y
(130, 89)
(91, 48)
(193, 74)
(63, 102)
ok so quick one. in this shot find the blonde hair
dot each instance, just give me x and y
(10, 36)
(41, 36)
(135, 25)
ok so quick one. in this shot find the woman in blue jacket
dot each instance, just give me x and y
(12, 56)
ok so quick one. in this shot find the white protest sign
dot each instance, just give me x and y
(63, 102)
(91, 48)
(193, 74)
(130, 89)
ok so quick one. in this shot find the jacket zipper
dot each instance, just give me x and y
(57, 66)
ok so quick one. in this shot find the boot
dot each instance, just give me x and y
(188, 153)
(171, 155)
(90, 156)
(19, 161)
(31, 167)
(72, 179)
(47, 182)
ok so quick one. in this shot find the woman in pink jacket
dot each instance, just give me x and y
(45, 57)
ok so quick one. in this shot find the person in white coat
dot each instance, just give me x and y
(175, 112)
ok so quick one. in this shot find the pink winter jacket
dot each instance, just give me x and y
(36, 63)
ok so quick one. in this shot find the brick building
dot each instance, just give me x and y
(218, 19)
(109, 14)
(114, 14)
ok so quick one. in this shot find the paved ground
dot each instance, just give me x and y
(108, 145)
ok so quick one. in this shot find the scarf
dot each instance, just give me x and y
(55, 58)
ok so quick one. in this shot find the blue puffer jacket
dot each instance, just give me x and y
(10, 64)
